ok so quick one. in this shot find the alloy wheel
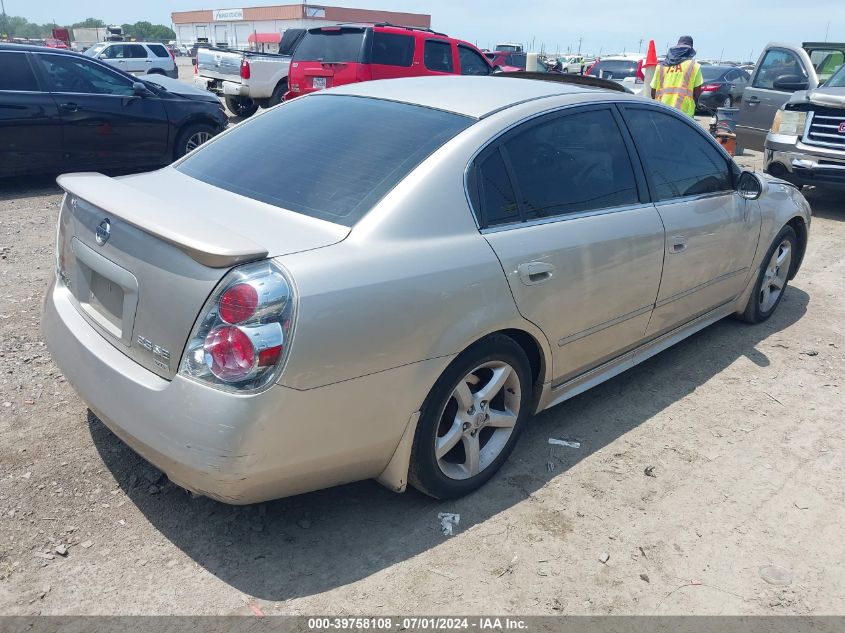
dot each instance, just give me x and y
(196, 139)
(477, 420)
(774, 279)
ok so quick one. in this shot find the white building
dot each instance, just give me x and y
(233, 27)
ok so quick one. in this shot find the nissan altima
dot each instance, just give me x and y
(410, 270)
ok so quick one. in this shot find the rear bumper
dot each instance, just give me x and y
(173, 73)
(237, 449)
(787, 157)
(221, 87)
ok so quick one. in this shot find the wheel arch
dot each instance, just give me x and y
(800, 227)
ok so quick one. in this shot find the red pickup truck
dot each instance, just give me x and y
(335, 55)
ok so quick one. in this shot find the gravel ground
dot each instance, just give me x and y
(709, 480)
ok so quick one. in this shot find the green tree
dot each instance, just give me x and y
(88, 23)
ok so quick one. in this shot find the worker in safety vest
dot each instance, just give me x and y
(677, 80)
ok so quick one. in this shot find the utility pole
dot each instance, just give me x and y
(5, 26)
(827, 31)
(640, 49)
(580, 39)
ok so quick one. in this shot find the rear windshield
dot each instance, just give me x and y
(328, 157)
(837, 80)
(614, 69)
(331, 45)
(709, 73)
(826, 61)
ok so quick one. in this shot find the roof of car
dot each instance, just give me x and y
(476, 97)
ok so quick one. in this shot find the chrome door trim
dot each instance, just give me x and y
(562, 218)
(690, 291)
(557, 393)
(603, 326)
(695, 198)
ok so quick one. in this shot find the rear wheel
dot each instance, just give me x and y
(241, 106)
(728, 102)
(471, 419)
(191, 137)
(278, 94)
(772, 278)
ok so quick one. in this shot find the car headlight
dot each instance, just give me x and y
(789, 122)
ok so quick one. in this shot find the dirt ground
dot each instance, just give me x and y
(709, 480)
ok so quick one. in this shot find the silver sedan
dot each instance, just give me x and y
(388, 279)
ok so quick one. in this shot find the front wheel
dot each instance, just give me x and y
(192, 137)
(241, 106)
(772, 278)
(471, 419)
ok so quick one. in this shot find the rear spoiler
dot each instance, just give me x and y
(565, 78)
(203, 241)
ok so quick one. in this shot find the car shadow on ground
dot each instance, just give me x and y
(311, 543)
(16, 188)
(826, 203)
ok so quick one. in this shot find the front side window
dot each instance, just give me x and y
(777, 64)
(351, 152)
(16, 73)
(393, 49)
(471, 62)
(677, 159)
(438, 56)
(571, 163)
(72, 74)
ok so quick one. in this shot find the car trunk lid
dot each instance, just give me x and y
(141, 265)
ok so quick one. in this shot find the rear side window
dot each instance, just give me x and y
(471, 62)
(158, 50)
(392, 49)
(614, 69)
(438, 56)
(135, 51)
(572, 163)
(331, 45)
(339, 157)
(678, 160)
(16, 73)
(495, 191)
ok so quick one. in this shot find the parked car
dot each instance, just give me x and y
(625, 69)
(337, 55)
(783, 70)
(247, 80)
(137, 58)
(62, 111)
(806, 144)
(382, 302)
(723, 87)
(507, 61)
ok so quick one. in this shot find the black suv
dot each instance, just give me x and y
(61, 111)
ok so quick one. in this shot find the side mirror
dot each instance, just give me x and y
(750, 186)
(140, 90)
(790, 83)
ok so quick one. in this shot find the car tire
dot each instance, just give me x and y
(461, 439)
(727, 102)
(278, 93)
(191, 137)
(772, 278)
(241, 106)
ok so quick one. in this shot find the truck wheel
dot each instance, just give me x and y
(278, 93)
(241, 106)
(191, 137)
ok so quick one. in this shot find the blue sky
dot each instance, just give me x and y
(736, 26)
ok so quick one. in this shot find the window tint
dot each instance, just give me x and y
(352, 151)
(341, 45)
(826, 62)
(471, 62)
(15, 72)
(777, 63)
(498, 202)
(614, 69)
(572, 163)
(136, 51)
(393, 49)
(678, 160)
(73, 74)
(438, 56)
(158, 50)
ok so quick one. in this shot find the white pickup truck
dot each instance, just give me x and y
(246, 79)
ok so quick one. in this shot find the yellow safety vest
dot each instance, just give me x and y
(675, 86)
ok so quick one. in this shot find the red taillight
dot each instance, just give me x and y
(196, 65)
(244, 69)
(238, 303)
(231, 352)
(710, 87)
(172, 54)
(640, 73)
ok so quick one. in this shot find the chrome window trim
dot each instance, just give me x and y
(564, 217)
(694, 198)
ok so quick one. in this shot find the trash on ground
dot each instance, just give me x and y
(603, 558)
(775, 575)
(644, 577)
(448, 522)
(649, 471)
(559, 442)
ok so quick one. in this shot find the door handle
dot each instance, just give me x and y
(753, 101)
(69, 107)
(678, 244)
(533, 273)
